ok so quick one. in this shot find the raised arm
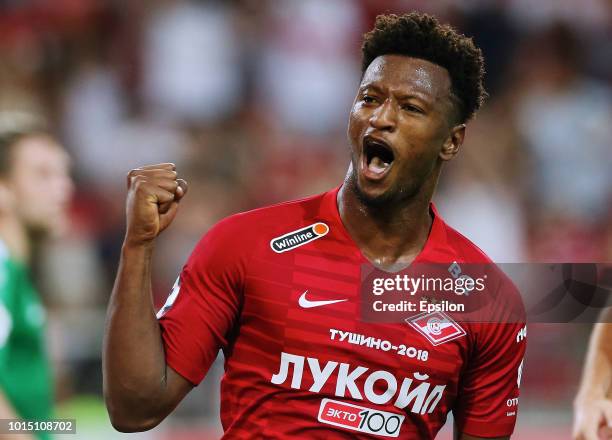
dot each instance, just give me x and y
(139, 389)
(593, 406)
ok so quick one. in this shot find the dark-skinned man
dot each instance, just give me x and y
(278, 288)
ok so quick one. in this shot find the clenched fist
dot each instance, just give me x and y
(592, 418)
(154, 192)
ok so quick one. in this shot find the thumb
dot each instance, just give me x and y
(181, 190)
(167, 217)
(607, 410)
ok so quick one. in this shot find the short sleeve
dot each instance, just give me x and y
(204, 304)
(488, 395)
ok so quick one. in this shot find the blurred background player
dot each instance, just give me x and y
(35, 189)
(593, 404)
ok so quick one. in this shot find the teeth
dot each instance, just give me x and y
(377, 165)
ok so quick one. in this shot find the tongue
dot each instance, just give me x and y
(377, 165)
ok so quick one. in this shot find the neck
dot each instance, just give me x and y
(391, 236)
(15, 236)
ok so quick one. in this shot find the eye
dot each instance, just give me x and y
(368, 99)
(412, 108)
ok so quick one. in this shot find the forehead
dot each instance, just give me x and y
(403, 74)
(37, 150)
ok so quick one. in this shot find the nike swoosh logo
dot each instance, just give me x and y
(308, 304)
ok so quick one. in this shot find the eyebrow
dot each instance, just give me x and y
(405, 96)
(370, 86)
(419, 96)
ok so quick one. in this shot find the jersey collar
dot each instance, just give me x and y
(436, 248)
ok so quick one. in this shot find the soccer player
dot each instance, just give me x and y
(35, 189)
(593, 405)
(278, 288)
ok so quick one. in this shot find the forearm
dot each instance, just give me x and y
(139, 389)
(592, 406)
(133, 358)
(597, 374)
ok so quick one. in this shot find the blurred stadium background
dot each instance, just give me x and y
(250, 99)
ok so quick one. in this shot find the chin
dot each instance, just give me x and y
(374, 196)
(57, 229)
(49, 229)
(383, 194)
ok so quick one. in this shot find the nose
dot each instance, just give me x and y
(384, 117)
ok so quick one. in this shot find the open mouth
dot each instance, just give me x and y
(378, 156)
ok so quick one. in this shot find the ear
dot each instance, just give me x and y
(453, 142)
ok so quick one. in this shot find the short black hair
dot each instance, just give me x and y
(422, 36)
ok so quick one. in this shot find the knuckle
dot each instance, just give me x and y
(139, 183)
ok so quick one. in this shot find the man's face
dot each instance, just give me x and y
(399, 123)
(40, 183)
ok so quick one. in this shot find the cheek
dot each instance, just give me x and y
(414, 158)
(422, 140)
(36, 195)
(419, 156)
(355, 125)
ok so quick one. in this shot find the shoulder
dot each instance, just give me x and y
(282, 212)
(246, 232)
(7, 294)
(504, 299)
(465, 250)
(6, 268)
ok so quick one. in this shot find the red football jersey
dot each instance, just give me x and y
(278, 290)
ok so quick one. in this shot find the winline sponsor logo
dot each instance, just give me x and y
(298, 238)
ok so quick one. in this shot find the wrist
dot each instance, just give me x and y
(589, 395)
(131, 246)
